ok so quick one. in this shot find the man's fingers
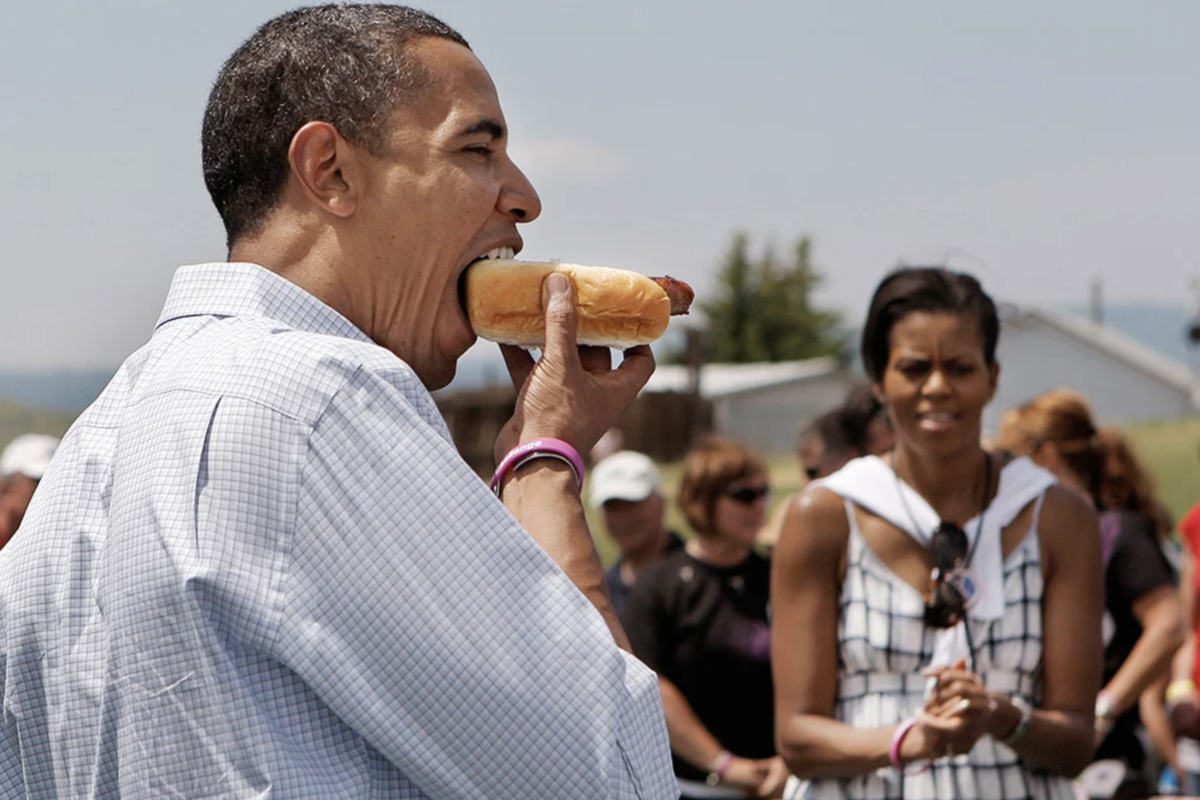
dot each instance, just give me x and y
(558, 305)
(519, 362)
(637, 367)
(595, 359)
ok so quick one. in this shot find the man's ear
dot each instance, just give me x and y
(994, 379)
(325, 168)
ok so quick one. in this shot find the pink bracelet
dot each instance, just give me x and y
(897, 740)
(538, 448)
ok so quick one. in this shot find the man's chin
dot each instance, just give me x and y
(439, 377)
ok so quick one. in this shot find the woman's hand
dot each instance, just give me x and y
(940, 737)
(747, 773)
(776, 778)
(963, 710)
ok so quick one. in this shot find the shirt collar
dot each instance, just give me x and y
(233, 289)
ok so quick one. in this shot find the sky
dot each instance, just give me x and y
(1039, 145)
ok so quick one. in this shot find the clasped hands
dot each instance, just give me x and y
(957, 713)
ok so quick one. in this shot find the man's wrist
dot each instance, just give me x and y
(536, 472)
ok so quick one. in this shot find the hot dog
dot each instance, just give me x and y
(615, 307)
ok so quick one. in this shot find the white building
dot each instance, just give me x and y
(763, 405)
(1124, 380)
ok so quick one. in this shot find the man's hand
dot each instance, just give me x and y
(572, 393)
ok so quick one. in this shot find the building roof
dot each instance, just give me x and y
(1112, 343)
(724, 380)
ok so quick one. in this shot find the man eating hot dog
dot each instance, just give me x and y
(259, 567)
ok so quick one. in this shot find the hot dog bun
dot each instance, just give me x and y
(615, 307)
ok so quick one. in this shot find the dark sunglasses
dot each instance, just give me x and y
(946, 600)
(747, 494)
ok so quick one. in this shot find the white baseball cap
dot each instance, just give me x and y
(625, 475)
(28, 455)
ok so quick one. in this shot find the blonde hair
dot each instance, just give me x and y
(1103, 457)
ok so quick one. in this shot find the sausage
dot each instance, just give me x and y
(680, 293)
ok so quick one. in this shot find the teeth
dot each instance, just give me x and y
(501, 252)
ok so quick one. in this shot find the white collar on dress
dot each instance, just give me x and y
(869, 482)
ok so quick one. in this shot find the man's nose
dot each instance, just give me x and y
(519, 199)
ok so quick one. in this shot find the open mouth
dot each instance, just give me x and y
(494, 253)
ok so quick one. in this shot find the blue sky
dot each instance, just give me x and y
(1038, 145)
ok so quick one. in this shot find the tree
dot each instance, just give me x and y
(763, 308)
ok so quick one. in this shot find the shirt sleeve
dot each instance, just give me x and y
(1138, 565)
(429, 621)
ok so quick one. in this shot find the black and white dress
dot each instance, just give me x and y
(883, 644)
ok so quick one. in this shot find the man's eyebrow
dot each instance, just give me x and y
(485, 125)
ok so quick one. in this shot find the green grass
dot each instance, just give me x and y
(1171, 451)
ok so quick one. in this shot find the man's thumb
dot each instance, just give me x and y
(558, 302)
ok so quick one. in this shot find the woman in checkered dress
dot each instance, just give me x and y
(897, 681)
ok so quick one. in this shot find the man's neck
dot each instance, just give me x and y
(302, 256)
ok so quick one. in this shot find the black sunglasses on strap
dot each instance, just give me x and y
(946, 601)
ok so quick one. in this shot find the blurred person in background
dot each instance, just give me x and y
(698, 617)
(1143, 624)
(824, 446)
(1181, 697)
(935, 621)
(862, 401)
(22, 465)
(627, 489)
(831, 440)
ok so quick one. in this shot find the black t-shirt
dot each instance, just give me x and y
(619, 590)
(705, 629)
(1136, 567)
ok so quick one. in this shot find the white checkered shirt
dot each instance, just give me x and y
(257, 567)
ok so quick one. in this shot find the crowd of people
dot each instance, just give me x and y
(950, 616)
(256, 565)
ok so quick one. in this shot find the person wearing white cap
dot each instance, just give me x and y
(22, 465)
(627, 489)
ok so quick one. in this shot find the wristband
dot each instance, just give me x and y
(538, 448)
(897, 740)
(1106, 706)
(1022, 726)
(1180, 689)
(718, 768)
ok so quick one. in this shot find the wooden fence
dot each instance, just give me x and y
(662, 425)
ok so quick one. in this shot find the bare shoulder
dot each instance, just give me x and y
(815, 528)
(1068, 528)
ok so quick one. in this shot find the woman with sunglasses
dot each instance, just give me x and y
(936, 611)
(699, 618)
(1057, 431)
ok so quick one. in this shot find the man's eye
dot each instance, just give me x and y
(960, 369)
(481, 149)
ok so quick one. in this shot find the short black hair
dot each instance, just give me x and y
(908, 290)
(842, 430)
(347, 65)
